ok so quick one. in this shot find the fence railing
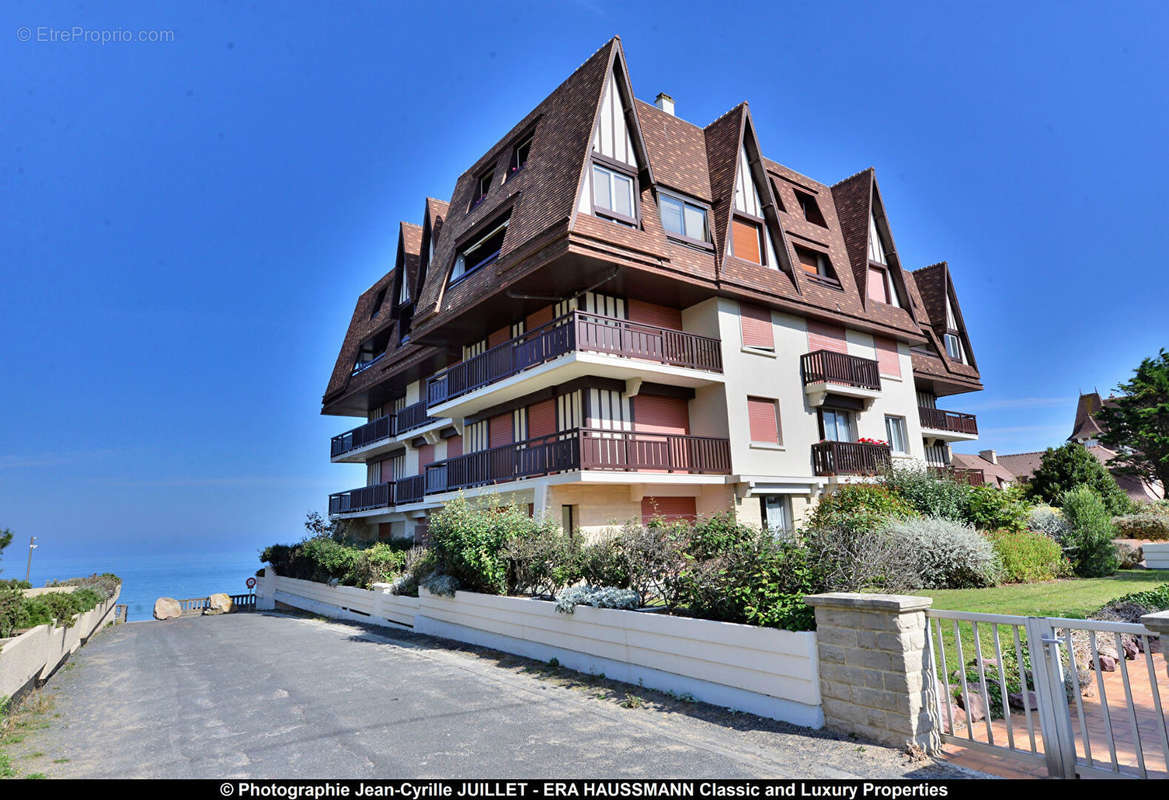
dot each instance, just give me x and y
(577, 330)
(940, 420)
(410, 489)
(363, 435)
(850, 458)
(828, 366)
(412, 416)
(973, 477)
(380, 495)
(197, 605)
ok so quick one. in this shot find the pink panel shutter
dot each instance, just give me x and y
(499, 430)
(653, 314)
(887, 356)
(661, 415)
(762, 420)
(542, 419)
(756, 324)
(826, 336)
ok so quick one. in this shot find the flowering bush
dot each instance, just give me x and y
(866, 440)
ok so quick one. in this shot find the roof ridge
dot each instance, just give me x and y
(727, 113)
(648, 104)
(854, 175)
(942, 263)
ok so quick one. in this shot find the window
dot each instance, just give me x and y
(683, 218)
(876, 246)
(954, 348)
(404, 293)
(371, 350)
(815, 263)
(810, 208)
(482, 187)
(377, 302)
(519, 155)
(746, 237)
(836, 425)
(776, 511)
(895, 433)
(763, 420)
(482, 250)
(613, 194)
(755, 324)
(568, 519)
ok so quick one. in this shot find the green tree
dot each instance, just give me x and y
(5, 539)
(1070, 466)
(1137, 422)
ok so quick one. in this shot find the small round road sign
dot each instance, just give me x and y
(251, 583)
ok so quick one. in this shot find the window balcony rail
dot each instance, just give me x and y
(828, 366)
(583, 448)
(412, 416)
(577, 330)
(850, 458)
(410, 490)
(940, 420)
(380, 495)
(973, 477)
(362, 366)
(363, 435)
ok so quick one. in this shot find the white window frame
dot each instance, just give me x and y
(610, 173)
(895, 427)
(781, 504)
(686, 205)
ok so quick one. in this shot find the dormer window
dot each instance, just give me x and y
(377, 302)
(371, 351)
(876, 245)
(684, 219)
(747, 240)
(482, 187)
(954, 348)
(482, 250)
(404, 292)
(817, 264)
(519, 155)
(810, 208)
(613, 194)
(881, 286)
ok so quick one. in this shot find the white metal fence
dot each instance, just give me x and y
(1081, 696)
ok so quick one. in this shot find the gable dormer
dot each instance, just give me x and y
(945, 314)
(617, 160)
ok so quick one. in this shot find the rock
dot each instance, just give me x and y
(974, 705)
(167, 608)
(1018, 698)
(1107, 663)
(1130, 649)
(1129, 554)
(1154, 645)
(218, 603)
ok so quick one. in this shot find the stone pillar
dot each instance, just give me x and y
(874, 667)
(1159, 624)
(266, 590)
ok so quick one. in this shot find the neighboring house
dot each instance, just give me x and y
(620, 313)
(1086, 430)
(987, 465)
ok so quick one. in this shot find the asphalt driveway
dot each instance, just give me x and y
(281, 696)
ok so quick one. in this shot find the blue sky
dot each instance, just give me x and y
(186, 225)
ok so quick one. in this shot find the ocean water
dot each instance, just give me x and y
(145, 577)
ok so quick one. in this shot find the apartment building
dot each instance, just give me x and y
(619, 313)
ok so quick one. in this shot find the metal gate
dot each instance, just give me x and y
(1080, 696)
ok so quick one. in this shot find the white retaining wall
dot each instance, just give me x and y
(1156, 555)
(36, 653)
(763, 671)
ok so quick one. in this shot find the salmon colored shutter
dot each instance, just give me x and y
(808, 261)
(746, 241)
(425, 456)
(538, 318)
(653, 414)
(877, 289)
(887, 357)
(499, 337)
(454, 446)
(826, 336)
(756, 325)
(762, 420)
(669, 508)
(500, 430)
(653, 314)
(542, 419)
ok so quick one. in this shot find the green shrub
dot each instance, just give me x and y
(1089, 542)
(990, 509)
(543, 561)
(1155, 599)
(1050, 522)
(859, 507)
(946, 554)
(1071, 466)
(602, 563)
(1028, 557)
(928, 494)
(469, 542)
(848, 560)
(325, 559)
(1145, 525)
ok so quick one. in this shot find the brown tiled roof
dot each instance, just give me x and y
(677, 150)
(1086, 426)
(1022, 465)
(971, 461)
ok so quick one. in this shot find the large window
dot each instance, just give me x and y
(837, 425)
(482, 187)
(895, 433)
(613, 194)
(684, 218)
(480, 251)
(776, 511)
(876, 245)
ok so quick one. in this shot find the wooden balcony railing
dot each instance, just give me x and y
(575, 331)
(412, 416)
(363, 435)
(410, 490)
(850, 458)
(974, 477)
(828, 366)
(941, 420)
(380, 495)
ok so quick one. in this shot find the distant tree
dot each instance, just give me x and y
(1071, 466)
(1137, 422)
(317, 525)
(5, 539)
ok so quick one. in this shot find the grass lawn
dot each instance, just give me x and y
(1076, 598)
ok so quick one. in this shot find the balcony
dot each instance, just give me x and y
(828, 372)
(364, 440)
(973, 477)
(947, 425)
(569, 451)
(850, 458)
(572, 346)
(413, 417)
(364, 499)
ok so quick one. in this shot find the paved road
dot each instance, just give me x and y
(272, 695)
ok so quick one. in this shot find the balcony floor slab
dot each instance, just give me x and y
(948, 436)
